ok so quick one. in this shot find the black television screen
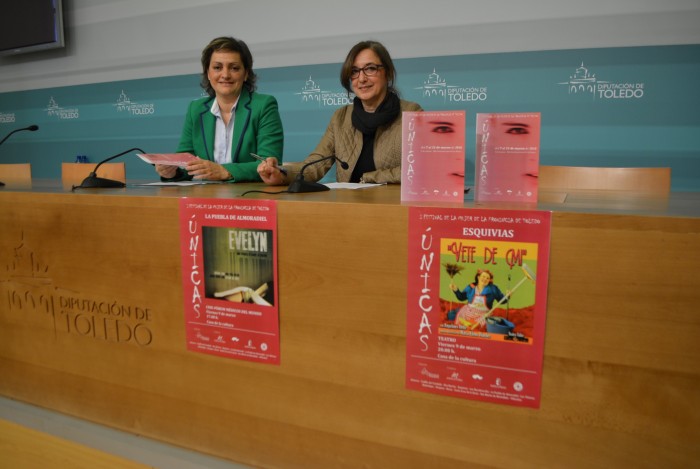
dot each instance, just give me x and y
(30, 25)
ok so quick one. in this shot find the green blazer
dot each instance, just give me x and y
(257, 129)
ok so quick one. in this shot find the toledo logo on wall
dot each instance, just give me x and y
(437, 87)
(585, 82)
(124, 104)
(312, 93)
(54, 110)
(7, 117)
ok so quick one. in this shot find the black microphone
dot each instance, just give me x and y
(31, 128)
(94, 182)
(301, 185)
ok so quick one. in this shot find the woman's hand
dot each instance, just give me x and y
(166, 171)
(209, 170)
(269, 171)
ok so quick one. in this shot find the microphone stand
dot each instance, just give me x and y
(92, 181)
(31, 128)
(300, 185)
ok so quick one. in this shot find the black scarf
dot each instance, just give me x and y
(368, 122)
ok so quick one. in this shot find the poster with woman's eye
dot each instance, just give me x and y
(477, 300)
(507, 157)
(432, 154)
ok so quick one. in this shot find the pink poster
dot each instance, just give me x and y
(229, 275)
(507, 157)
(432, 156)
(477, 300)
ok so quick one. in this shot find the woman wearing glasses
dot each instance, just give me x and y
(366, 134)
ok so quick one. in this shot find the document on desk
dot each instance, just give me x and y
(180, 183)
(476, 303)
(351, 185)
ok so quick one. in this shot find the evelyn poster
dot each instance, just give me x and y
(477, 301)
(229, 274)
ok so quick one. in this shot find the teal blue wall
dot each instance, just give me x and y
(638, 110)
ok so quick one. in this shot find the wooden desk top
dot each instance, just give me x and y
(676, 204)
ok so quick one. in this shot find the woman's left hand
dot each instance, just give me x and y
(209, 170)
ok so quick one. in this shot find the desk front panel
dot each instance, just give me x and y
(91, 324)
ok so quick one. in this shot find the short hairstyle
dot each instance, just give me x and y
(384, 57)
(227, 44)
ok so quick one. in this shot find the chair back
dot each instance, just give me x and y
(16, 172)
(571, 178)
(75, 173)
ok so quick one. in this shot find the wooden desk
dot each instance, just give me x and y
(621, 366)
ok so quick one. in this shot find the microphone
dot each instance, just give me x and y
(31, 128)
(300, 185)
(94, 182)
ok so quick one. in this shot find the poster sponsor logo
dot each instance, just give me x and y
(125, 104)
(429, 374)
(312, 93)
(435, 87)
(583, 82)
(54, 110)
(7, 117)
(498, 384)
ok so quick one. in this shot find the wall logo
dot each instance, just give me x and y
(54, 110)
(7, 117)
(124, 104)
(583, 82)
(435, 87)
(312, 93)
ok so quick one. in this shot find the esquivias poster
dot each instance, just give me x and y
(477, 301)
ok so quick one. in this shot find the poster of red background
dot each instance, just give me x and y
(229, 275)
(476, 304)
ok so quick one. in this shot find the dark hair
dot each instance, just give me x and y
(384, 57)
(228, 44)
(479, 272)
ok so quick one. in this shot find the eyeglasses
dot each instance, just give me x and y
(369, 70)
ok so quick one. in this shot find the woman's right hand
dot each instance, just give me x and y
(166, 171)
(269, 171)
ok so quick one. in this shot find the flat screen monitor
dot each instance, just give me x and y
(30, 25)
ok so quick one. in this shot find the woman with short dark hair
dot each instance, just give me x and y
(233, 121)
